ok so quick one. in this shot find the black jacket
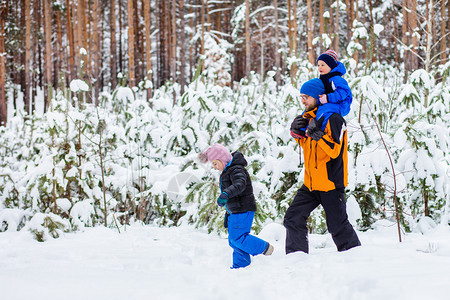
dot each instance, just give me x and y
(236, 182)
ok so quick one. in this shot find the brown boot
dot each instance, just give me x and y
(269, 250)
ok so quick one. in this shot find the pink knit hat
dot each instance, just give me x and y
(216, 151)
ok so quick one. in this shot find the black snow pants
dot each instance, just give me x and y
(333, 202)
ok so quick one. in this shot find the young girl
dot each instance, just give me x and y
(238, 199)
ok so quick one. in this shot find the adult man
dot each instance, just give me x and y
(324, 142)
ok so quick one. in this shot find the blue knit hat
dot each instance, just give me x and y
(313, 87)
(330, 58)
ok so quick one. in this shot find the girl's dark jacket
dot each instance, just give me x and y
(236, 183)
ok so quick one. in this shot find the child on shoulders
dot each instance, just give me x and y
(338, 96)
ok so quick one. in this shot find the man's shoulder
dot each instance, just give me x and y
(337, 117)
(336, 120)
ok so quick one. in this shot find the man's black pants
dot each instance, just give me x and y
(333, 202)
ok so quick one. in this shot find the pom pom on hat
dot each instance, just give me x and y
(203, 158)
(330, 57)
(313, 87)
(216, 151)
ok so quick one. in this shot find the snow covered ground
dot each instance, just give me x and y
(147, 262)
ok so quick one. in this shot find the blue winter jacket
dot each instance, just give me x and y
(338, 93)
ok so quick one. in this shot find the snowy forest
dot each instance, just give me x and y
(104, 106)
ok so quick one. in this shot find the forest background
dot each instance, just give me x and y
(110, 101)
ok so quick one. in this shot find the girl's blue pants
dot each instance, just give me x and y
(243, 243)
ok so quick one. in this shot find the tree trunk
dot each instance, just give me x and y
(261, 42)
(289, 14)
(182, 48)
(96, 50)
(202, 22)
(48, 78)
(443, 37)
(113, 46)
(355, 9)
(247, 37)
(208, 17)
(337, 27)
(277, 41)
(309, 32)
(348, 19)
(121, 69)
(173, 41)
(405, 36)
(164, 42)
(414, 32)
(294, 42)
(59, 48)
(3, 108)
(139, 51)
(70, 41)
(322, 23)
(48, 52)
(148, 45)
(84, 30)
(218, 19)
(37, 57)
(395, 35)
(191, 47)
(28, 62)
(79, 26)
(131, 68)
(372, 53)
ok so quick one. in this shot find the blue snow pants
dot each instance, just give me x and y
(243, 243)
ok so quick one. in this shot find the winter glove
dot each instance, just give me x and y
(323, 99)
(222, 200)
(299, 122)
(297, 125)
(298, 134)
(314, 130)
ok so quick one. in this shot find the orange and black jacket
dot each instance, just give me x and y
(326, 159)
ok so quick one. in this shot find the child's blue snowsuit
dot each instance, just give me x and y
(338, 92)
(243, 243)
(241, 206)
